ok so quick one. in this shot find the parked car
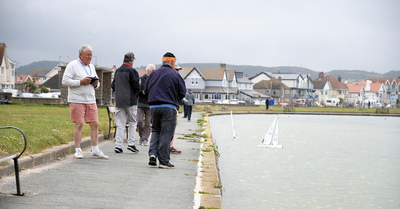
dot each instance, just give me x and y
(15, 92)
(378, 105)
(235, 101)
(225, 102)
(28, 94)
(216, 102)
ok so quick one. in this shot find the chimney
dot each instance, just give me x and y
(279, 72)
(223, 65)
(339, 79)
(321, 75)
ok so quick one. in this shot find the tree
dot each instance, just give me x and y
(30, 85)
(44, 89)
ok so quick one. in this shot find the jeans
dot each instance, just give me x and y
(163, 129)
(121, 113)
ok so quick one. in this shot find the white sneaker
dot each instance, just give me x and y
(99, 154)
(78, 154)
(144, 143)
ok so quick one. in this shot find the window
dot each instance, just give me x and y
(340, 91)
(206, 96)
(195, 81)
(2, 70)
(286, 91)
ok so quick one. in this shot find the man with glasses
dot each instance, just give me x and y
(81, 78)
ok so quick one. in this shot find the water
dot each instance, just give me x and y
(326, 162)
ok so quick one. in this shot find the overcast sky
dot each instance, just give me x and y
(319, 35)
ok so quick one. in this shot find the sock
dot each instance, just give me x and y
(95, 148)
(78, 149)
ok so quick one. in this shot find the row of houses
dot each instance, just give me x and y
(222, 83)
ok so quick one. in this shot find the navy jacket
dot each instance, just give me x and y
(165, 86)
(126, 86)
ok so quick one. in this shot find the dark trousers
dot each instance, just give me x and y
(144, 132)
(163, 121)
(267, 106)
(189, 109)
(185, 111)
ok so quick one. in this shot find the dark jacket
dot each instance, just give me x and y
(125, 85)
(142, 101)
(165, 86)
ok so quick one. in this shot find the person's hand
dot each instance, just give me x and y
(95, 83)
(143, 93)
(86, 81)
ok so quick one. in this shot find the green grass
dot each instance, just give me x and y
(44, 126)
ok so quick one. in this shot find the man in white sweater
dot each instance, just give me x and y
(81, 78)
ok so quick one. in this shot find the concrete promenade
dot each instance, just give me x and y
(124, 181)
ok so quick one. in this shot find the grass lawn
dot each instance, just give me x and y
(46, 126)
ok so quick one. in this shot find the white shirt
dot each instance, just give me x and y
(78, 93)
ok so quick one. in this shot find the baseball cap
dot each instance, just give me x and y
(129, 55)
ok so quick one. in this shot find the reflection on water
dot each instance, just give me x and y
(326, 162)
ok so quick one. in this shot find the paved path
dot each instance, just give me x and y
(124, 181)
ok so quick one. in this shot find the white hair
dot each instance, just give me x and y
(150, 67)
(83, 49)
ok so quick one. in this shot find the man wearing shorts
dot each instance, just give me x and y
(78, 76)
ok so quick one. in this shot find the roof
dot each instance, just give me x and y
(319, 84)
(38, 72)
(270, 84)
(23, 78)
(355, 87)
(243, 80)
(334, 82)
(286, 76)
(252, 93)
(384, 80)
(375, 87)
(265, 73)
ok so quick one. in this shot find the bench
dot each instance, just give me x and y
(382, 110)
(111, 122)
(288, 108)
(15, 158)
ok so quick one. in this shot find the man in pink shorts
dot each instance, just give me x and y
(81, 78)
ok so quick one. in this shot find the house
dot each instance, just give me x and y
(339, 89)
(300, 84)
(42, 75)
(392, 86)
(7, 69)
(20, 80)
(323, 90)
(246, 89)
(356, 93)
(274, 88)
(365, 91)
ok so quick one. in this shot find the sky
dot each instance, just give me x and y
(318, 35)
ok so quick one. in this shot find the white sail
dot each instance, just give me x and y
(271, 138)
(233, 126)
(268, 137)
(275, 138)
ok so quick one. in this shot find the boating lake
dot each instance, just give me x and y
(326, 161)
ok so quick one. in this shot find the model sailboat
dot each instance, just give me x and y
(271, 138)
(233, 127)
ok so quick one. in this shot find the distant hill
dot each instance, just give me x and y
(36, 65)
(358, 75)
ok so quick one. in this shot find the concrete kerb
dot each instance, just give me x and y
(49, 155)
